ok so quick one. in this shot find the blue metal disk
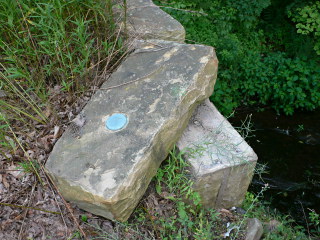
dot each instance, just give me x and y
(116, 121)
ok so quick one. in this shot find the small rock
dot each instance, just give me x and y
(222, 163)
(147, 21)
(254, 229)
(240, 210)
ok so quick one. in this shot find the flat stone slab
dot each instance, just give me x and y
(145, 20)
(222, 163)
(130, 125)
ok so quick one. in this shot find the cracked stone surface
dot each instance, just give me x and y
(145, 20)
(222, 163)
(157, 88)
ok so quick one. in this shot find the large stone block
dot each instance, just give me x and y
(145, 20)
(154, 92)
(222, 163)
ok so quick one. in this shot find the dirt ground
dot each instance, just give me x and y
(30, 206)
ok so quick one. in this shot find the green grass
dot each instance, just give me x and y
(45, 43)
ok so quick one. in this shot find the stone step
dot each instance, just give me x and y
(222, 163)
(145, 20)
(130, 125)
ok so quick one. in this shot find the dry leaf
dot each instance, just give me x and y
(5, 182)
(225, 211)
(47, 112)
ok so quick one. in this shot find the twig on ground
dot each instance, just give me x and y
(33, 208)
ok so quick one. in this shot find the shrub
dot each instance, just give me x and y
(307, 18)
(254, 66)
(281, 82)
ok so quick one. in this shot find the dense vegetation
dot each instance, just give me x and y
(268, 50)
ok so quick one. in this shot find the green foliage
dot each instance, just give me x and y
(48, 42)
(84, 218)
(280, 33)
(285, 230)
(262, 60)
(281, 82)
(315, 222)
(308, 21)
(174, 177)
(247, 11)
(29, 166)
(191, 220)
(5, 141)
(181, 216)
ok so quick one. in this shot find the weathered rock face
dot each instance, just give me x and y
(222, 162)
(155, 90)
(145, 20)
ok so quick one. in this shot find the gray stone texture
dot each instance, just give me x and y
(254, 229)
(145, 20)
(222, 163)
(158, 87)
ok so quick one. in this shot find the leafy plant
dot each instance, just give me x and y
(84, 218)
(281, 82)
(189, 219)
(286, 228)
(308, 20)
(262, 60)
(29, 166)
(315, 222)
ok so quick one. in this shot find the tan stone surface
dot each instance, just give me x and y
(222, 162)
(254, 229)
(157, 87)
(145, 20)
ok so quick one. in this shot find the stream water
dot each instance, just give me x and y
(290, 148)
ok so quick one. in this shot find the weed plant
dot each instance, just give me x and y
(183, 216)
(174, 183)
(45, 43)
